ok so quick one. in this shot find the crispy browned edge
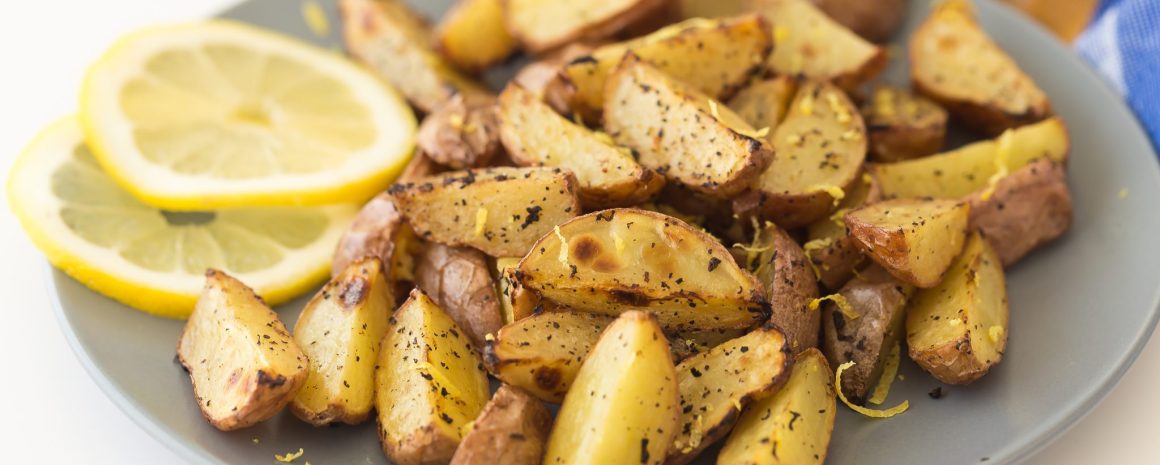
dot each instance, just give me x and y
(890, 245)
(512, 430)
(594, 31)
(1027, 209)
(462, 133)
(470, 300)
(837, 263)
(789, 292)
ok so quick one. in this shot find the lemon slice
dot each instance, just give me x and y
(220, 114)
(153, 259)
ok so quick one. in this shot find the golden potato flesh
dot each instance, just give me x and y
(902, 125)
(542, 353)
(809, 44)
(914, 239)
(430, 384)
(244, 365)
(622, 408)
(962, 171)
(792, 427)
(611, 261)
(535, 135)
(681, 133)
(511, 430)
(472, 35)
(765, 103)
(715, 386)
(954, 62)
(542, 25)
(340, 331)
(784, 270)
(717, 57)
(500, 211)
(829, 248)
(458, 280)
(957, 330)
(819, 147)
(395, 43)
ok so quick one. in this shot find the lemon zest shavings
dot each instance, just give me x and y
(780, 33)
(995, 333)
(836, 192)
(563, 256)
(806, 106)
(843, 115)
(839, 300)
(839, 217)
(617, 241)
(290, 456)
(315, 18)
(813, 246)
(480, 221)
(872, 413)
(603, 137)
(889, 371)
(851, 134)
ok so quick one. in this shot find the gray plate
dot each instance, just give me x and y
(1072, 334)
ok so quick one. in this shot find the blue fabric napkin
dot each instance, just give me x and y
(1122, 43)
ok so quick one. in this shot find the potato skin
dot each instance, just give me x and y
(902, 125)
(458, 280)
(896, 245)
(512, 429)
(790, 285)
(875, 21)
(462, 133)
(1026, 209)
(542, 77)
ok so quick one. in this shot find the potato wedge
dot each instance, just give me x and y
(820, 148)
(955, 63)
(765, 103)
(511, 430)
(542, 25)
(543, 79)
(902, 125)
(715, 386)
(535, 135)
(394, 43)
(957, 330)
(879, 301)
(796, 422)
(458, 280)
(543, 352)
(717, 57)
(809, 44)
(961, 172)
(430, 384)
(1024, 210)
(874, 21)
(377, 231)
(500, 211)
(462, 133)
(708, 147)
(244, 376)
(340, 330)
(915, 240)
(611, 261)
(515, 303)
(783, 269)
(829, 248)
(473, 37)
(622, 408)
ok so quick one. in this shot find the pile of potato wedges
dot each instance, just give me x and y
(676, 224)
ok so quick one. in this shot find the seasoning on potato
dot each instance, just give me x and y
(902, 125)
(914, 239)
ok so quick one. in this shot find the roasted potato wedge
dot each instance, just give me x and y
(543, 79)
(829, 248)
(866, 330)
(543, 352)
(955, 63)
(809, 44)
(708, 147)
(245, 376)
(716, 57)
(902, 125)
(914, 239)
(715, 386)
(515, 302)
(1024, 210)
(500, 211)
(765, 103)
(430, 384)
(783, 269)
(961, 172)
(875, 21)
(462, 133)
(796, 422)
(535, 135)
(377, 231)
(394, 43)
(542, 25)
(340, 330)
(511, 430)
(611, 261)
(458, 280)
(957, 330)
(820, 148)
(472, 35)
(622, 408)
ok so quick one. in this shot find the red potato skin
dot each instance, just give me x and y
(1027, 209)
(512, 430)
(458, 280)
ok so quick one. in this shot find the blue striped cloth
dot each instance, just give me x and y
(1123, 44)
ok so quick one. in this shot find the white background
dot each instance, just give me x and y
(55, 414)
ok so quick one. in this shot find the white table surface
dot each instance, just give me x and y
(56, 414)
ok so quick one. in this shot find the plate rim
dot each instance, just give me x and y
(1043, 435)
